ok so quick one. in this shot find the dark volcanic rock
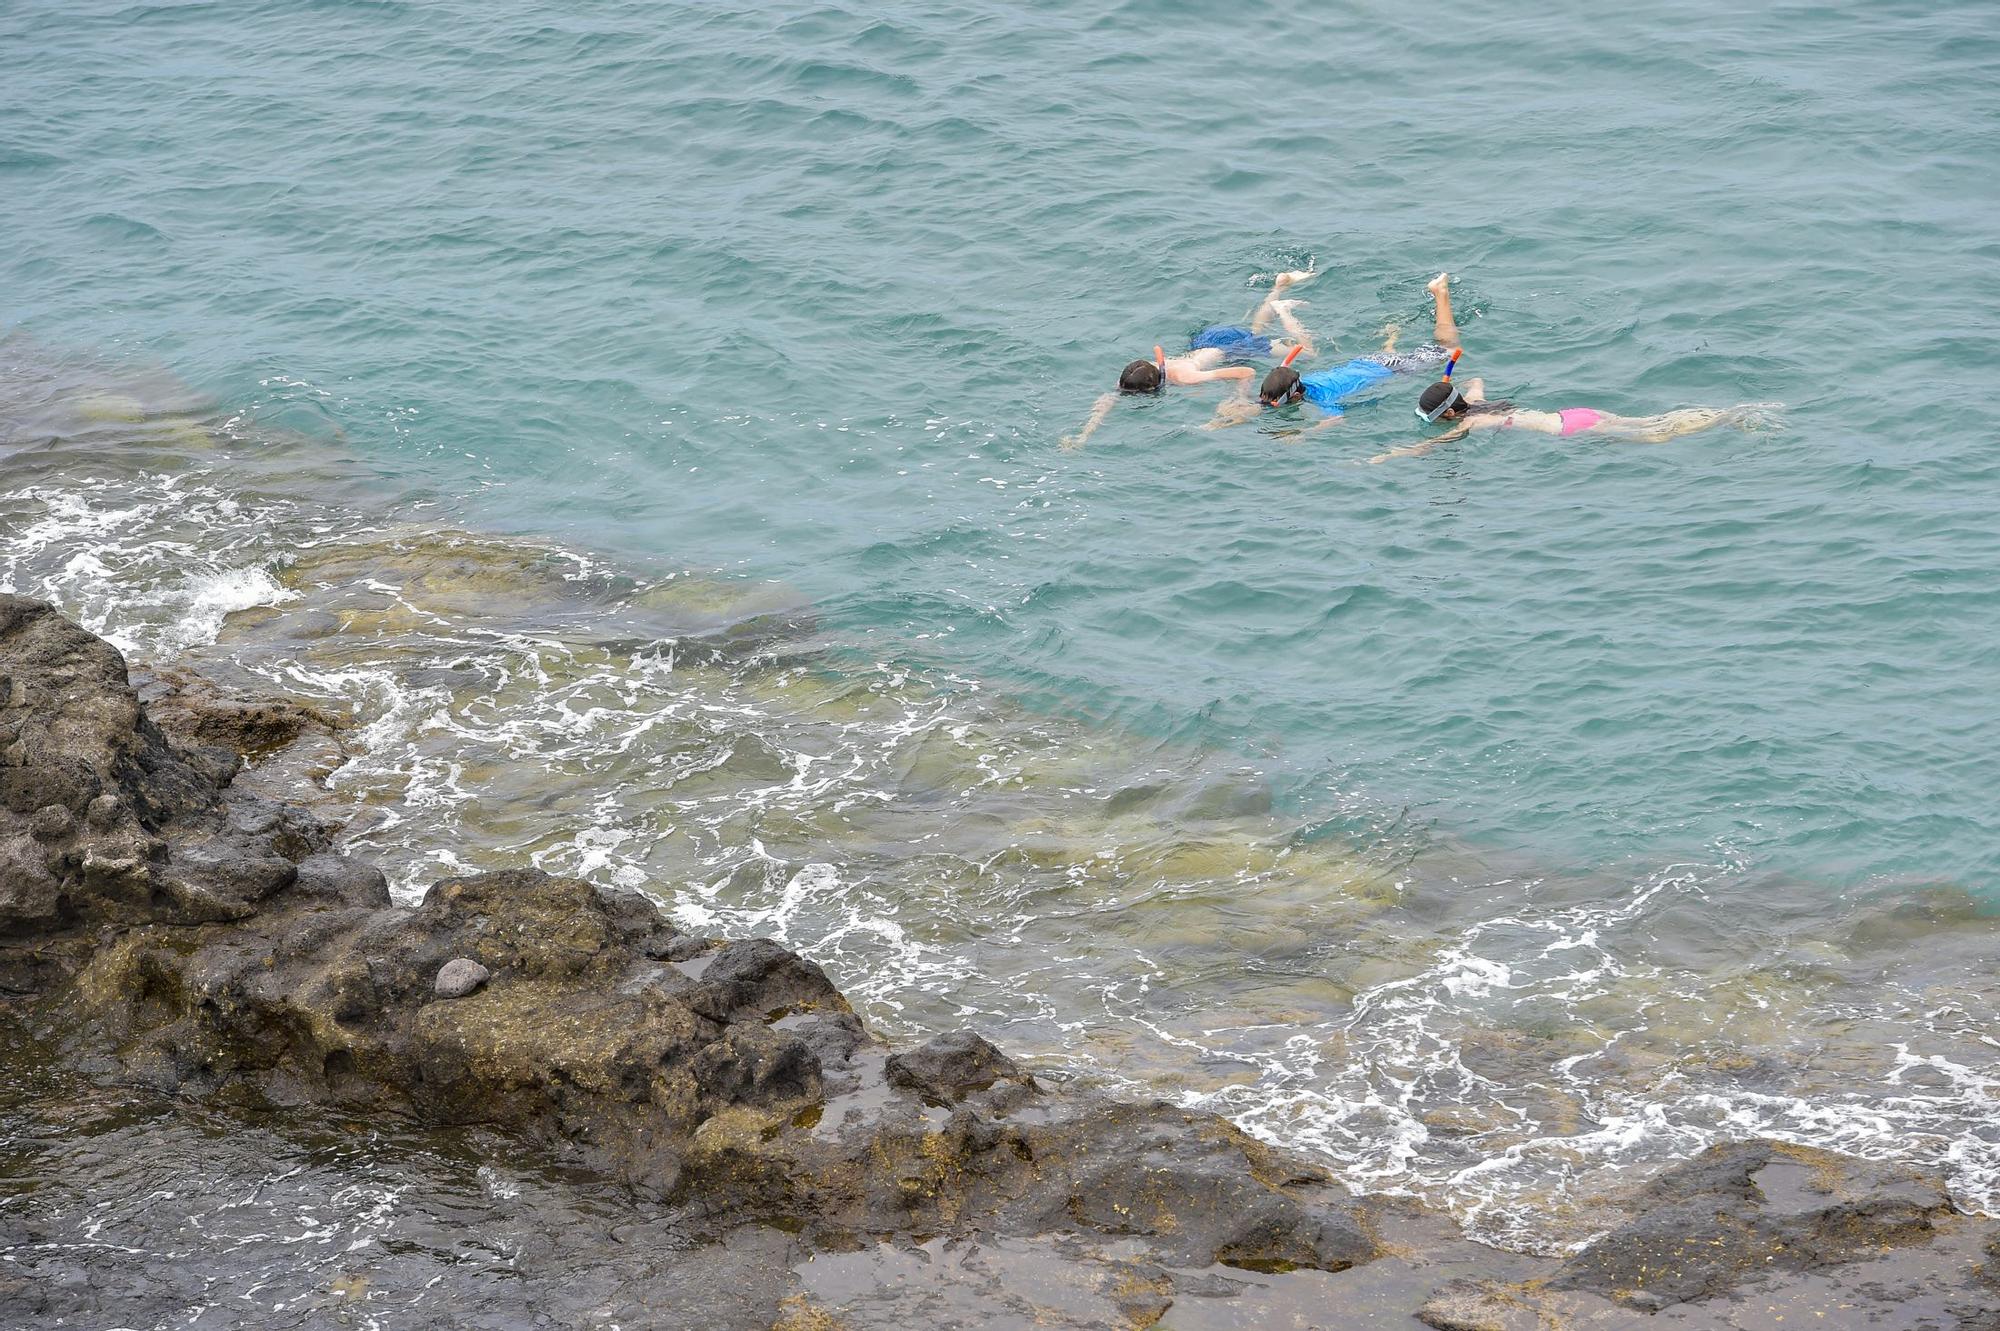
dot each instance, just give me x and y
(1751, 1235)
(1748, 1209)
(950, 1067)
(164, 923)
(756, 977)
(101, 819)
(340, 881)
(249, 963)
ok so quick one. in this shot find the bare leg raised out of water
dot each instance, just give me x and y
(1445, 333)
(1283, 282)
(1288, 319)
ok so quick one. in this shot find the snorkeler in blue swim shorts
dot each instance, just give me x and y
(1326, 389)
(1208, 350)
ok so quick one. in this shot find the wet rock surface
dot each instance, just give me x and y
(1753, 1208)
(950, 1067)
(174, 930)
(1759, 1233)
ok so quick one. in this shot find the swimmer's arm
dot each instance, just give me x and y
(1476, 391)
(1214, 376)
(1233, 411)
(1324, 422)
(1458, 431)
(1390, 332)
(1103, 408)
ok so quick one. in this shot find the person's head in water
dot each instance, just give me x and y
(1281, 386)
(1441, 402)
(1141, 376)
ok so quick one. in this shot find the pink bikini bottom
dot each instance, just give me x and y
(1578, 419)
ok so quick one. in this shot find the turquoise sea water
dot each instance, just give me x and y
(1473, 821)
(812, 292)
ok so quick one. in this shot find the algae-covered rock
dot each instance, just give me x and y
(191, 711)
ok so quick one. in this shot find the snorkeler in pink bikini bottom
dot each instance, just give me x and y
(1575, 420)
(1469, 410)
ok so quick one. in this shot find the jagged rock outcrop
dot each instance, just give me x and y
(102, 821)
(165, 924)
(1753, 1208)
(203, 940)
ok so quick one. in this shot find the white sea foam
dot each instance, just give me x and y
(148, 563)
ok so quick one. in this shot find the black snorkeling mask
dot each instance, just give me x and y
(1292, 394)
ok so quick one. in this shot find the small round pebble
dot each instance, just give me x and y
(459, 977)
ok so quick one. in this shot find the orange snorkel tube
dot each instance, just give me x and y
(1291, 356)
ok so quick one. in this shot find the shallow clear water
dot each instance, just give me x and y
(1532, 781)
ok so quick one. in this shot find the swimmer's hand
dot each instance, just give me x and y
(1406, 451)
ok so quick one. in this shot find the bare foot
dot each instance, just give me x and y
(1439, 285)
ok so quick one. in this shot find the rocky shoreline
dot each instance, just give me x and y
(173, 921)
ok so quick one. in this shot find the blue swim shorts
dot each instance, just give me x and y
(1233, 340)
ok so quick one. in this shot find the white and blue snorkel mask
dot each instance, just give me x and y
(1451, 399)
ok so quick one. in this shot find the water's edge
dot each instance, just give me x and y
(213, 943)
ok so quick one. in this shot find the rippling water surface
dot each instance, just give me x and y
(1474, 821)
